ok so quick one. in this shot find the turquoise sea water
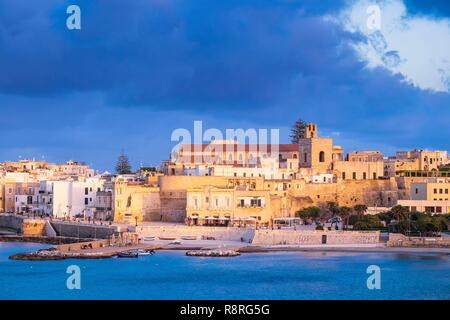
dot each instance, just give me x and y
(172, 275)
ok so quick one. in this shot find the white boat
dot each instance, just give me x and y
(175, 242)
(145, 252)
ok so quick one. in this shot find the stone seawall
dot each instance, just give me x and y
(32, 227)
(296, 237)
(79, 230)
(400, 240)
(10, 221)
(177, 231)
(22, 225)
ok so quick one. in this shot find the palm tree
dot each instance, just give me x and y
(345, 213)
(333, 208)
(360, 210)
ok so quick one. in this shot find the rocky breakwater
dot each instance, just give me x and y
(40, 255)
(212, 253)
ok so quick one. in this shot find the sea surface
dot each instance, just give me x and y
(172, 275)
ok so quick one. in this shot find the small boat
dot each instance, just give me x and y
(130, 254)
(175, 242)
(188, 238)
(166, 238)
(145, 252)
(149, 238)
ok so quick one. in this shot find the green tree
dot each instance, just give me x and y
(366, 222)
(298, 131)
(387, 217)
(309, 213)
(123, 164)
(399, 212)
(333, 208)
(360, 210)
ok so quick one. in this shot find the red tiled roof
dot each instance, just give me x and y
(239, 147)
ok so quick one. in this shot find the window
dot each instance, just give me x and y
(242, 203)
(255, 202)
(446, 191)
(321, 156)
(86, 191)
(86, 201)
(434, 190)
(354, 175)
(441, 191)
(305, 157)
(364, 175)
(374, 176)
(343, 175)
(417, 190)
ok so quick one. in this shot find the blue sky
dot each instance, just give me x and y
(137, 70)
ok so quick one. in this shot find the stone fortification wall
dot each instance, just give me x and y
(296, 237)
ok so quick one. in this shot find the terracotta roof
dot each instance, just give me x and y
(239, 147)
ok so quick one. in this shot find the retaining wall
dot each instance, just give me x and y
(177, 231)
(79, 230)
(296, 237)
(400, 240)
(10, 221)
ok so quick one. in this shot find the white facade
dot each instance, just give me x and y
(429, 206)
(268, 168)
(75, 198)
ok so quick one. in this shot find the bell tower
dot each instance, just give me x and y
(311, 131)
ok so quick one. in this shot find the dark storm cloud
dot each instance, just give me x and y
(139, 69)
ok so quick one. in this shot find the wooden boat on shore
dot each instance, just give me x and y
(188, 237)
(166, 238)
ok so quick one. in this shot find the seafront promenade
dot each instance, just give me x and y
(100, 241)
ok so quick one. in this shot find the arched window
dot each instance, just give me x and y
(322, 156)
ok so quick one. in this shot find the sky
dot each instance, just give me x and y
(138, 70)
